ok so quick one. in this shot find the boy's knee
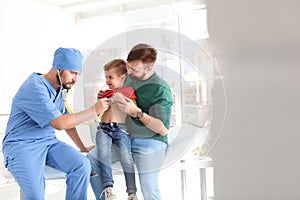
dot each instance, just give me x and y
(93, 161)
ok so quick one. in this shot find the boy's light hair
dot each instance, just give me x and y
(119, 64)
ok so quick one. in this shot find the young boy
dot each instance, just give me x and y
(112, 132)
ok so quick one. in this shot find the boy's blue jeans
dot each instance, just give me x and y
(114, 135)
(148, 155)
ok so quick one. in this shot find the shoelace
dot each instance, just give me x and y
(132, 197)
(101, 193)
(108, 192)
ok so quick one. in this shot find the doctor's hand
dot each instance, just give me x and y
(100, 94)
(101, 105)
(126, 105)
(87, 149)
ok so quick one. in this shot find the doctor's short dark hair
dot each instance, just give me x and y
(119, 64)
(144, 52)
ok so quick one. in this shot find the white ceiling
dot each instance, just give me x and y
(91, 8)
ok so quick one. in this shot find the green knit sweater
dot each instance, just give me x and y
(154, 97)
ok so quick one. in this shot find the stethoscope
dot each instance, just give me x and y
(65, 93)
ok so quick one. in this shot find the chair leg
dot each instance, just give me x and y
(203, 184)
(21, 195)
(183, 185)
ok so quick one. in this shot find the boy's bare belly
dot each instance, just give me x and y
(113, 115)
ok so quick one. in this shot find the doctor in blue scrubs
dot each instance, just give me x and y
(37, 111)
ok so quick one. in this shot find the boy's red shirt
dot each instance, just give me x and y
(126, 91)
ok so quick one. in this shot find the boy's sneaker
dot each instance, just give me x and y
(110, 194)
(132, 196)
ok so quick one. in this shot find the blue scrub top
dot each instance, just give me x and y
(34, 106)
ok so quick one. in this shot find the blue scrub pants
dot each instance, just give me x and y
(28, 168)
(148, 155)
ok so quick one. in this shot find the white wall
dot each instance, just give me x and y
(30, 33)
(257, 156)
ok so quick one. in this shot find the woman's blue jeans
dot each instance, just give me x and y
(148, 155)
